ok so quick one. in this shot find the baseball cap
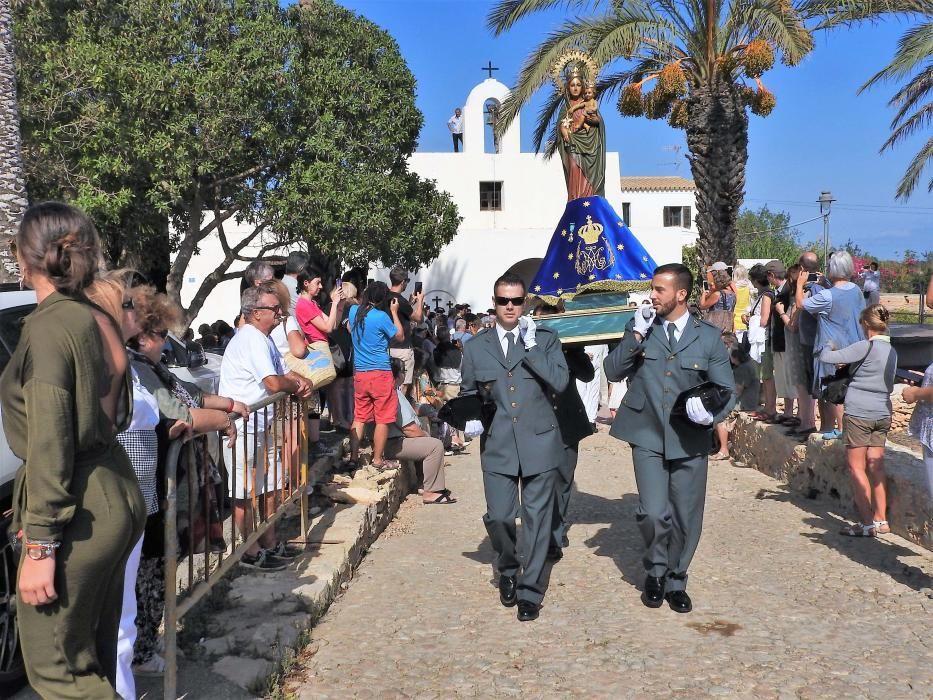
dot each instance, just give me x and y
(719, 265)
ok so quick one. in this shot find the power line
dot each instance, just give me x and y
(882, 208)
(780, 228)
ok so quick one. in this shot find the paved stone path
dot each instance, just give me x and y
(783, 606)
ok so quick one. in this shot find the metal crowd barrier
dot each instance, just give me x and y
(283, 450)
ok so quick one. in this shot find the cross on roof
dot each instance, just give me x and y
(489, 68)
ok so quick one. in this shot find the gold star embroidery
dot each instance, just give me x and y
(620, 247)
(559, 292)
(618, 276)
(645, 258)
(537, 287)
(570, 256)
(586, 203)
(591, 277)
(564, 232)
(621, 223)
(556, 275)
(643, 276)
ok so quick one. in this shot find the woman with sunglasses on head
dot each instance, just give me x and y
(190, 412)
(374, 397)
(66, 393)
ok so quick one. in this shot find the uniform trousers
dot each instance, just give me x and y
(671, 496)
(537, 511)
(563, 487)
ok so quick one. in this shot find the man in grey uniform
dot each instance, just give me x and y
(666, 351)
(515, 367)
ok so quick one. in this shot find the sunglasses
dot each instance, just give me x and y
(505, 301)
(273, 309)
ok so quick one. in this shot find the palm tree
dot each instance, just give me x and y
(12, 181)
(912, 61)
(702, 59)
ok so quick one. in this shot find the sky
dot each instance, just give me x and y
(821, 136)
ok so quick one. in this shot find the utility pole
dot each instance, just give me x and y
(826, 202)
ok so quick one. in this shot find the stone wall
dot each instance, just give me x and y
(818, 469)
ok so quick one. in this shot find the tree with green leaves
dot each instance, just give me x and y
(168, 120)
(12, 179)
(703, 61)
(767, 234)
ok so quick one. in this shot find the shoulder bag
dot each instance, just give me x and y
(836, 386)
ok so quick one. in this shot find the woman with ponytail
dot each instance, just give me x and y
(77, 504)
(866, 417)
(374, 397)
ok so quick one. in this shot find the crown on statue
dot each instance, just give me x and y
(574, 64)
(590, 232)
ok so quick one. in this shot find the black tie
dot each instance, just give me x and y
(671, 328)
(510, 355)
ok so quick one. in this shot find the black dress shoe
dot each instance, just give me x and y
(554, 553)
(653, 595)
(527, 611)
(507, 591)
(679, 601)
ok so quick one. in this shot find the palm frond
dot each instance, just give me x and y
(916, 121)
(912, 93)
(912, 48)
(547, 124)
(837, 13)
(508, 13)
(911, 177)
(776, 22)
(629, 36)
(607, 85)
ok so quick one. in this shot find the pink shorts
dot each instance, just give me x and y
(374, 397)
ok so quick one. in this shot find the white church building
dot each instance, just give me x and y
(510, 202)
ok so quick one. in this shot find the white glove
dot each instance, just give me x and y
(697, 412)
(527, 327)
(644, 317)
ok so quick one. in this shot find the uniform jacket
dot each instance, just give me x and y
(523, 437)
(568, 406)
(657, 375)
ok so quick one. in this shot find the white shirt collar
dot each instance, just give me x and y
(679, 324)
(501, 332)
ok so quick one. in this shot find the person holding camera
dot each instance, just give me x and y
(836, 311)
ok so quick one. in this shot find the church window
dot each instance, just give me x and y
(627, 213)
(490, 196)
(676, 216)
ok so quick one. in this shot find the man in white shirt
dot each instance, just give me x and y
(251, 371)
(455, 124)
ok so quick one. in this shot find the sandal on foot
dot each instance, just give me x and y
(719, 457)
(881, 527)
(444, 498)
(858, 530)
(386, 465)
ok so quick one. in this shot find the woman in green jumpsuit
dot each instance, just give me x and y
(65, 395)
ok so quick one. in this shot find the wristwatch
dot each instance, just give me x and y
(41, 550)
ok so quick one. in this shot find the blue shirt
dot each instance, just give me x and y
(371, 340)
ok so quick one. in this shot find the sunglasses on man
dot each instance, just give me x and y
(505, 301)
(277, 310)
